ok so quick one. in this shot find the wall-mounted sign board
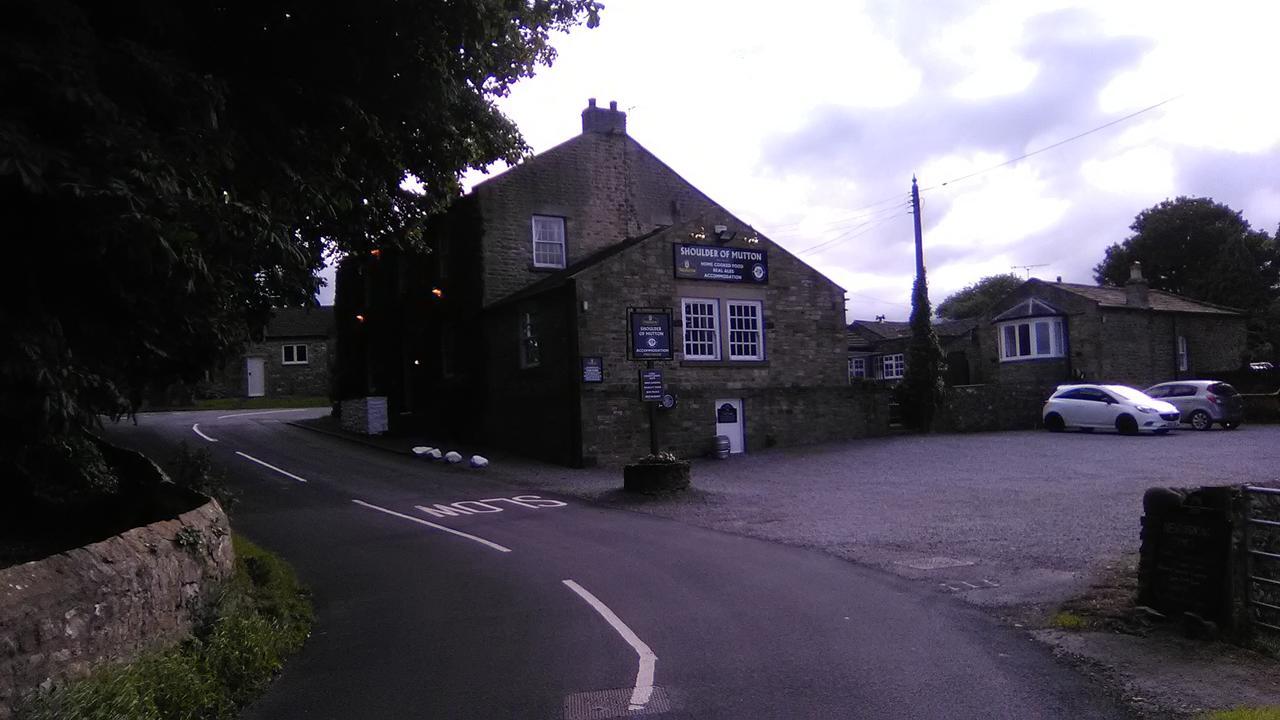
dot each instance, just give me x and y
(725, 264)
(650, 333)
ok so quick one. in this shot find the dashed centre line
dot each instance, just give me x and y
(268, 465)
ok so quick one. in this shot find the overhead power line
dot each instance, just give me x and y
(846, 236)
(1060, 143)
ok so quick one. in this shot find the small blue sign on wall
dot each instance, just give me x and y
(592, 369)
(650, 336)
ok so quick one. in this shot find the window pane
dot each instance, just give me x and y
(548, 241)
(1010, 341)
(288, 353)
(1059, 340)
(1024, 339)
(1042, 339)
(744, 331)
(300, 355)
(701, 336)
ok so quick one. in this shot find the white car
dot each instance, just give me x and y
(1089, 407)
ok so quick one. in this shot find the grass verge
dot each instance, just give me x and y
(260, 618)
(1245, 713)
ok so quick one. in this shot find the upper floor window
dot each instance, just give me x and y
(1032, 338)
(1184, 359)
(701, 329)
(894, 366)
(857, 368)
(746, 329)
(293, 355)
(548, 241)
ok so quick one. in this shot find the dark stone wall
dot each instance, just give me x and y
(1002, 406)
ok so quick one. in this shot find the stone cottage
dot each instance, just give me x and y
(1045, 333)
(291, 359)
(878, 349)
(551, 287)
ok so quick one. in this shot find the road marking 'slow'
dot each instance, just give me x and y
(196, 429)
(286, 473)
(263, 412)
(644, 676)
(420, 521)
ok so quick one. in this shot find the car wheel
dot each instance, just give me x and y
(1230, 425)
(1126, 425)
(1200, 420)
(1053, 422)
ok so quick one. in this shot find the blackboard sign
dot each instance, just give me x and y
(727, 414)
(651, 385)
(726, 264)
(650, 336)
(592, 369)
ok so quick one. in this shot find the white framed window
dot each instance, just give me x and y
(1184, 359)
(530, 352)
(293, 354)
(857, 368)
(701, 318)
(894, 366)
(746, 329)
(1032, 338)
(548, 241)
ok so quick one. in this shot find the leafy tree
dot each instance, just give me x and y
(976, 300)
(169, 171)
(1206, 251)
(1198, 248)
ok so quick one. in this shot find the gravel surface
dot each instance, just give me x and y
(1030, 514)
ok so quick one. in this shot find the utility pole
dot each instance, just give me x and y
(915, 213)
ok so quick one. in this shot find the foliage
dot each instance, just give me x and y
(262, 617)
(1246, 713)
(1204, 250)
(194, 470)
(920, 392)
(170, 171)
(976, 300)
(662, 458)
(1068, 621)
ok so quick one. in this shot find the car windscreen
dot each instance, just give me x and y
(1222, 389)
(1127, 393)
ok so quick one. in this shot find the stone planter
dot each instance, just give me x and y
(653, 478)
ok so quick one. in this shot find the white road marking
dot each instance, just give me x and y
(420, 521)
(286, 473)
(263, 412)
(488, 505)
(196, 429)
(644, 677)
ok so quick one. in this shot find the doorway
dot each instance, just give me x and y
(729, 422)
(256, 376)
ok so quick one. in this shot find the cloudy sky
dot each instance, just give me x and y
(808, 119)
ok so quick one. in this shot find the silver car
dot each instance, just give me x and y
(1202, 402)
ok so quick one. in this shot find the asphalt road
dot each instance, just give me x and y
(1024, 518)
(549, 607)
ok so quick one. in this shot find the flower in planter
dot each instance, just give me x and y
(662, 458)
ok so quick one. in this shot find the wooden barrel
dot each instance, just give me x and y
(722, 446)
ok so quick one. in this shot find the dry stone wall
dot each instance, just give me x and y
(109, 601)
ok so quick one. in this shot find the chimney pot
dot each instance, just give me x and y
(1059, 278)
(606, 122)
(1136, 289)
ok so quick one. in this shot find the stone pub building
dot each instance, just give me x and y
(550, 287)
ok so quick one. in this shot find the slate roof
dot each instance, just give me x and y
(1160, 300)
(300, 322)
(891, 330)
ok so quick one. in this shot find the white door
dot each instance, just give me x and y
(255, 372)
(729, 422)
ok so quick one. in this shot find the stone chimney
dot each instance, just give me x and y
(1136, 288)
(606, 122)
